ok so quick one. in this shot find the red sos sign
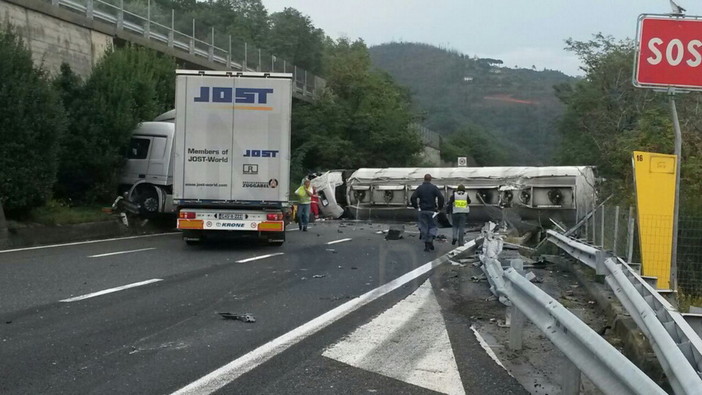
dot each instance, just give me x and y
(669, 53)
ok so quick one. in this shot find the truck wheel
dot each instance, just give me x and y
(147, 198)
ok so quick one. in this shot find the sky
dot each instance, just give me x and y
(521, 33)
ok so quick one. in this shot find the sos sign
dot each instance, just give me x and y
(669, 53)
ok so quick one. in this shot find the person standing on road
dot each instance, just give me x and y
(304, 193)
(430, 202)
(457, 206)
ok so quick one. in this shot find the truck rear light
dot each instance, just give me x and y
(274, 217)
(186, 215)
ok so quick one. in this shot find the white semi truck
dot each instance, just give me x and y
(220, 160)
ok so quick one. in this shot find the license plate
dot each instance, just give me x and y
(233, 216)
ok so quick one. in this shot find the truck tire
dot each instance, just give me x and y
(147, 198)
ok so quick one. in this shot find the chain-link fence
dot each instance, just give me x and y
(690, 254)
(616, 229)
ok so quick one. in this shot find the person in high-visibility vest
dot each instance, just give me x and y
(304, 193)
(458, 208)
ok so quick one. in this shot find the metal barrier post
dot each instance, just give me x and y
(594, 228)
(616, 229)
(171, 33)
(517, 318)
(602, 226)
(120, 15)
(89, 9)
(210, 51)
(570, 375)
(258, 67)
(192, 39)
(630, 235)
(147, 28)
(516, 328)
(246, 56)
(229, 54)
(587, 229)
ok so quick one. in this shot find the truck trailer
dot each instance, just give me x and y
(232, 154)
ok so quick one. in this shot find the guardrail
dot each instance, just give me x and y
(585, 350)
(676, 345)
(305, 84)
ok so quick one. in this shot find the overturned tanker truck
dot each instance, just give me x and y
(537, 194)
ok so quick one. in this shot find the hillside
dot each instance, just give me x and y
(451, 90)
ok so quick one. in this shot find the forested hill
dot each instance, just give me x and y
(514, 109)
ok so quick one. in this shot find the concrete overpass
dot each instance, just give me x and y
(79, 31)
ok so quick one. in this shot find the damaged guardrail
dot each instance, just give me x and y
(585, 350)
(676, 345)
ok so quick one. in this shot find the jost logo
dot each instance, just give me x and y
(260, 153)
(230, 95)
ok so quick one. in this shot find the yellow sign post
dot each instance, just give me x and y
(655, 176)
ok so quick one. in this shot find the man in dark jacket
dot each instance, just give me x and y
(430, 202)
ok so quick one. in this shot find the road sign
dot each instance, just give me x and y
(669, 52)
(462, 161)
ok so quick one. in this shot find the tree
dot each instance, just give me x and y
(362, 120)
(474, 142)
(127, 86)
(294, 37)
(32, 122)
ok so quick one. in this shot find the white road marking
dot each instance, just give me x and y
(408, 342)
(111, 290)
(121, 252)
(487, 348)
(86, 242)
(259, 257)
(339, 241)
(233, 370)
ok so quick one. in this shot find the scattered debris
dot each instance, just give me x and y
(354, 268)
(441, 238)
(340, 231)
(319, 276)
(333, 251)
(246, 317)
(456, 263)
(395, 232)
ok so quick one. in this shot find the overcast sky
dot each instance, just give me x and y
(520, 32)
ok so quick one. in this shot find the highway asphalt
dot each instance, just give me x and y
(140, 315)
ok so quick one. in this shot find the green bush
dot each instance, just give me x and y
(33, 120)
(127, 86)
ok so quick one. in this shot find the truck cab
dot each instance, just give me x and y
(146, 180)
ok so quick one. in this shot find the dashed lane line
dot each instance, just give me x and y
(339, 241)
(110, 290)
(121, 252)
(259, 257)
(86, 242)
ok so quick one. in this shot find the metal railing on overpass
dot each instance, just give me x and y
(231, 55)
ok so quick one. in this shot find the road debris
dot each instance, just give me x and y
(319, 276)
(246, 317)
(395, 232)
(333, 251)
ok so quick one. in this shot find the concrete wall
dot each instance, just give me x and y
(54, 41)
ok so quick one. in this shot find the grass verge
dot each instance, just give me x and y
(55, 213)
